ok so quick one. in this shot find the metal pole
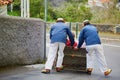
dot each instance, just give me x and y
(45, 30)
(70, 25)
(21, 8)
(44, 41)
(76, 30)
(45, 10)
(24, 11)
(28, 9)
(11, 7)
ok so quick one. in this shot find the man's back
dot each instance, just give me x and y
(59, 32)
(91, 35)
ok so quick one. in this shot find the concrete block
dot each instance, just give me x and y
(22, 41)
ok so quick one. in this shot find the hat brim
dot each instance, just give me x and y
(60, 21)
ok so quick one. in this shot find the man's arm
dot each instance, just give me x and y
(80, 39)
(70, 36)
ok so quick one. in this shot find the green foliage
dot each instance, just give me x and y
(15, 13)
(74, 13)
(16, 10)
(110, 15)
(74, 1)
(72, 10)
(37, 8)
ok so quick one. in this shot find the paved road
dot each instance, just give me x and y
(33, 72)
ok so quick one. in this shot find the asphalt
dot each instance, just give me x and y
(33, 72)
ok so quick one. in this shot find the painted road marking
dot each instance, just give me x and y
(111, 45)
(110, 39)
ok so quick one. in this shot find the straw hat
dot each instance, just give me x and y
(60, 20)
(86, 21)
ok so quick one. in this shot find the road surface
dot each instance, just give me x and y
(33, 72)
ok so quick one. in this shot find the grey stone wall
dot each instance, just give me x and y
(105, 27)
(22, 41)
(100, 27)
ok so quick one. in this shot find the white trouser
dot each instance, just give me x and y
(96, 50)
(52, 54)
